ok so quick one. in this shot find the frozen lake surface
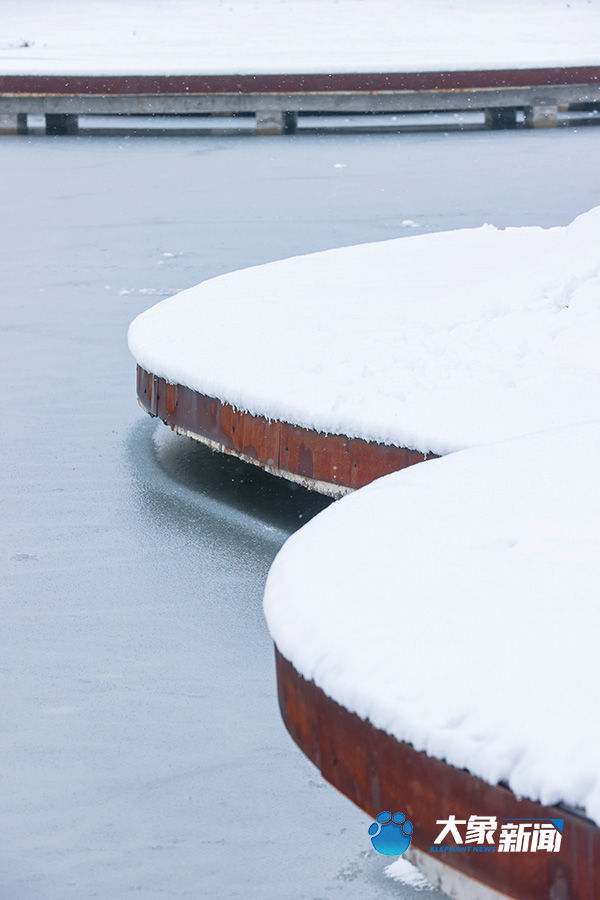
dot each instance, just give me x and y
(142, 749)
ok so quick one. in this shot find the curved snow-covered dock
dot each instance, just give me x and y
(331, 464)
(376, 771)
(437, 636)
(339, 367)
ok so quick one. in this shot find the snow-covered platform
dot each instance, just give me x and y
(338, 367)
(377, 772)
(277, 59)
(437, 652)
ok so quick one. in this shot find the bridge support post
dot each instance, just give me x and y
(290, 122)
(270, 121)
(61, 123)
(543, 116)
(13, 123)
(501, 117)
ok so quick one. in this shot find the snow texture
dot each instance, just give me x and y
(454, 605)
(260, 36)
(435, 342)
(406, 873)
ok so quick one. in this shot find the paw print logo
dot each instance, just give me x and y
(391, 834)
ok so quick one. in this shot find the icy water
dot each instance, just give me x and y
(141, 745)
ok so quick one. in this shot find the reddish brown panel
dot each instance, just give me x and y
(259, 438)
(378, 772)
(337, 459)
(104, 85)
(187, 409)
(302, 452)
(170, 399)
(146, 390)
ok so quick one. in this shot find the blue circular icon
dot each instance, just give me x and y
(391, 834)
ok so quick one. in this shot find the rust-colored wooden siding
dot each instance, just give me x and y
(378, 772)
(312, 455)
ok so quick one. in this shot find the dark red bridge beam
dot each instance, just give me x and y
(301, 83)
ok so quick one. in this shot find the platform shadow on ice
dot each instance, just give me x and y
(169, 470)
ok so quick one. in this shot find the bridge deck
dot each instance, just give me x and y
(276, 100)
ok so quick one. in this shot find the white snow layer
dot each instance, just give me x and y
(259, 36)
(455, 605)
(406, 873)
(435, 342)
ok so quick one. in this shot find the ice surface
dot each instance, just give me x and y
(454, 605)
(143, 753)
(188, 36)
(436, 342)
